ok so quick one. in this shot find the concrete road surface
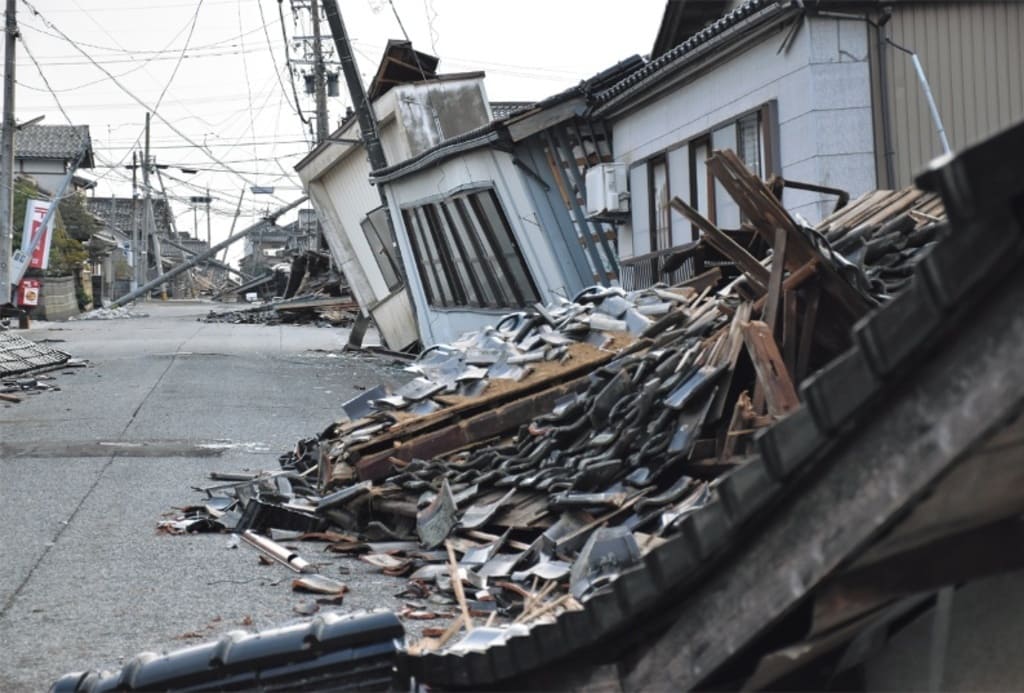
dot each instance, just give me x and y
(86, 474)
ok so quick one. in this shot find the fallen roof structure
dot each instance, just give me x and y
(809, 438)
(20, 356)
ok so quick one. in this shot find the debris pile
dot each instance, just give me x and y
(110, 314)
(13, 390)
(529, 464)
(19, 355)
(319, 309)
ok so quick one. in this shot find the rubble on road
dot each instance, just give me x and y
(327, 311)
(19, 356)
(119, 313)
(528, 465)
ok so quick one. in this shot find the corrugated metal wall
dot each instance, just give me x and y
(973, 56)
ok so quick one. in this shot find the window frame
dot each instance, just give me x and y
(467, 253)
(382, 246)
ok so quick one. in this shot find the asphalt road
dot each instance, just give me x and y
(87, 472)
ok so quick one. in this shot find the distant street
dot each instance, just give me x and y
(87, 473)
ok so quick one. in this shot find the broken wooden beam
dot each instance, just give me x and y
(772, 375)
(747, 263)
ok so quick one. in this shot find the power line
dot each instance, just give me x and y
(65, 61)
(56, 100)
(133, 96)
(288, 65)
(248, 82)
(131, 52)
(188, 39)
(270, 48)
(431, 11)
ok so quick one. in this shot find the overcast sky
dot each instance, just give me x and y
(214, 74)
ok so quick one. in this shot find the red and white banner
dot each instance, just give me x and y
(35, 210)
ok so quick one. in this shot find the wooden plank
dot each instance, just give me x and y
(853, 215)
(803, 356)
(747, 263)
(790, 334)
(892, 458)
(742, 415)
(794, 281)
(895, 208)
(702, 281)
(838, 219)
(772, 375)
(771, 306)
(772, 216)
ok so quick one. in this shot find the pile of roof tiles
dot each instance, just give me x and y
(618, 416)
(303, 310)
(20, 356)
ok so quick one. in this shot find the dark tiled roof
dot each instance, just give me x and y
(118, 212)
(678, 55)
(503, 109)
(683, 18)
(494, 131)
(53, 142)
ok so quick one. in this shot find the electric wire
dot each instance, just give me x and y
(56, 100)
(135, 98)
(158, 52)
(288, 65)
(431, 11)
(270, 48)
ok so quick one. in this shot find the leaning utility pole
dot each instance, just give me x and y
(204, 255)
(7, 156)
(364, 109)
(367, 128)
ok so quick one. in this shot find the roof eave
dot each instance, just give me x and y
(720, 45)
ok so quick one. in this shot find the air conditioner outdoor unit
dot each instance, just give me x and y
(607, 193)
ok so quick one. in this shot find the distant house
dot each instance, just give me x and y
(45, 153)
(271, 245)
(120, 216)
(811, 91)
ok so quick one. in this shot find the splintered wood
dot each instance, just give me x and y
(532, 491)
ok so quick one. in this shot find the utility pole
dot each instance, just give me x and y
(7, 155)
(209, 236)
(367, 128)
(147, 214)
(319, 75)
(137, 254)
(364, 109)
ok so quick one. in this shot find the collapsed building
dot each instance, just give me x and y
(750, 474)
(740, 460)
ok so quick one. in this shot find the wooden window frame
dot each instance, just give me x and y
(652, 202)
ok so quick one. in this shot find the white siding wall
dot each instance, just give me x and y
(822, 88)
(484, 167)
